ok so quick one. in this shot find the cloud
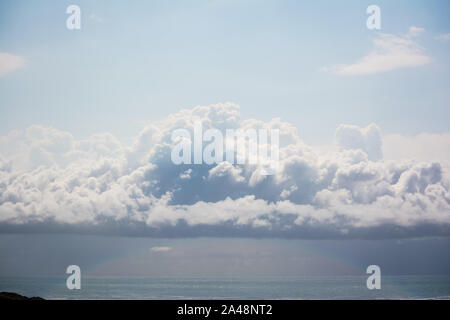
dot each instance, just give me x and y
(365, 186)
(9, 63)
(443, 37)
(390, 52)
(160, 249)
(367, 139)
(415, 31)
(423, 147)
(95, 18)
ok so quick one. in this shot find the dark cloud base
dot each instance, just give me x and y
(230, 230)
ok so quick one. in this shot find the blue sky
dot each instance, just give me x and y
(136, 62)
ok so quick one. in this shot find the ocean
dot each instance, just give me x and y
(352, 287)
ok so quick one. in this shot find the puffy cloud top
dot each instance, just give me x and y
(367, 139)
(50, 181)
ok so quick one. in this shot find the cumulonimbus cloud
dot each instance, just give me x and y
(52, 182)
(390, 52)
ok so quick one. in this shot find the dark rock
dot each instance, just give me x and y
(15, 296)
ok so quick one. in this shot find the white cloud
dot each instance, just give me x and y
(390, 52)
(161, 249)
(367, 139)
(9, 63)
(226, 169)
(415, 31)
(443, 37)
(424, 147)
(186, 174)
(369, 185)
(95, 18)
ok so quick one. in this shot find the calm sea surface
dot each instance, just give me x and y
(392, 287)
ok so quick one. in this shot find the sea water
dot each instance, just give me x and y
(352, 287)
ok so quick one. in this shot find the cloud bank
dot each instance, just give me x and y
(52, 182)
(390, 52)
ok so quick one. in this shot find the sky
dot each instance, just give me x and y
(87, 117)
(136, 62)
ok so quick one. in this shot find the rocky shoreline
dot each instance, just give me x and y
(16, 296)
